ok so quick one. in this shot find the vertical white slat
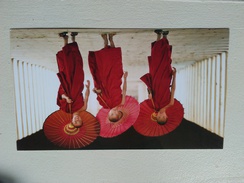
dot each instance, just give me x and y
(186, 84)
(35, 95)
(22, 98)
(17, 100)
(201, 93)
(188, 99)
(213, 95)
(217, 94)
(210, 93)
(27, 99)
(39, 106)
(189, 79)
(32, 102)
(207, 93)
(220, 95)
(225, 87)
(40, 99)
(214, 92)
(204, 93)
(197, 92)
(42, 96)
(192, 92)
(44, 89)
(44, 105)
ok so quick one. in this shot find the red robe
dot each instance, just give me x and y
(107, 71)
(159, 78)
(71, 76)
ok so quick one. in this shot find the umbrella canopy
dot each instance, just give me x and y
(130, 112)
(59, 130)
(146, 123)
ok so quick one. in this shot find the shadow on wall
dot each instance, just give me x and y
(6, 178)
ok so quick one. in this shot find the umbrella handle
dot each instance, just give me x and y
(153, 104)
(103, 100)
(70, 110)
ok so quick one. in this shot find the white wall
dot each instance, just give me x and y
(135, 165)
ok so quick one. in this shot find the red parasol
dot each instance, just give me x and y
(147, 125)
(130, 111)
(59, 130)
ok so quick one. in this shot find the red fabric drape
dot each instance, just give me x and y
(160, 73)
(107, 71)
(71, 76)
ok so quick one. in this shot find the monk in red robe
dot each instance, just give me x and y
(71, 75)
(107, 71)
(161, 78)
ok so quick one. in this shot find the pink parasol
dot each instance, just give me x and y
(59, 130)
(130, 112)
(146, 123)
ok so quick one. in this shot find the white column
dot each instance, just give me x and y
(17, 100)
(22, 98)
(27, 99)
(32, 103)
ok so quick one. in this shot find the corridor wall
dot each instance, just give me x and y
(201, 87)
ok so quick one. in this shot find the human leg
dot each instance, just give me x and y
(105, 39)
(159, 33)
(111, 40)
(73, 34)
(65, 37)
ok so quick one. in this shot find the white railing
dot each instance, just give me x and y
(35, 96)
(201, 87)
